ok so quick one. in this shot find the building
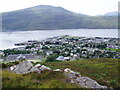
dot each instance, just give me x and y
(62, 58)
(17, 57)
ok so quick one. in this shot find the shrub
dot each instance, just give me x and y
(51, 58)
(113, 82)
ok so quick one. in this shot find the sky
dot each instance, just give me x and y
(89, 7)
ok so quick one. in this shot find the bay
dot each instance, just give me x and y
(8, 39)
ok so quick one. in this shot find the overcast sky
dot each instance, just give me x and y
(90, 7)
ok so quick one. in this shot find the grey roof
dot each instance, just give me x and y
(27, 56)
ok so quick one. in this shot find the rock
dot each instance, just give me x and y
(12, 68)
(27, 67)
(72, 81)
(43, 67)
(23, 67)
(67, 70)
(57, 70)
(71, 73)
(34, 69)
(85, 82)
(37, 65)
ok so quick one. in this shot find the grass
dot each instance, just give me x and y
(47, 79)
(113, 49)
(105, 71)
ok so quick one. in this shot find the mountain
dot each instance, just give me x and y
(111, 14)
(46, 17)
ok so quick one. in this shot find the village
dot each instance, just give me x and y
(64, 48)
(38, 57)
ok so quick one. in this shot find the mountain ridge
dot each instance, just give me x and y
(46, 17)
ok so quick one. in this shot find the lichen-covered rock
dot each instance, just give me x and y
(27, 67)
(71, 73)
(23, 67)
(85, 82)
(34, 69)
(43, 67)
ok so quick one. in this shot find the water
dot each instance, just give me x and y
(7, 39)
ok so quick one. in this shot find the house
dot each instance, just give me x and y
(62, 58)
(1, 52)
(20, 57)
(16, 57)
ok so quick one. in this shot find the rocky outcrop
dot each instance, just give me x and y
(27, 67)
(85, 82)
(82, 81)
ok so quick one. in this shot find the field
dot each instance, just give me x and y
(104, 71)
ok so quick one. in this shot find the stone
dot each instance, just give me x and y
(85, 82)
(68, 70)
(43, 67)
(37, 65)
(34, 69)
(12, 68)
(57, 70)
(23, 67)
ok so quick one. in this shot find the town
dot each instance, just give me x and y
(81, 60)
(64, 48)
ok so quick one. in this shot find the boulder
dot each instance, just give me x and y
(43, 67)
(12, 68)
(23, 67)
(38, 65)
(85, 82)
(71, 73)
(34, 69)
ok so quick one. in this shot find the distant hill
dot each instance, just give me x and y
(45, 17)
(112, 13)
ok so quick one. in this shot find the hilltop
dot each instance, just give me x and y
(46, 17)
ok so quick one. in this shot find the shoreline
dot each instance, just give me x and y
(19, 46)
(57, 29)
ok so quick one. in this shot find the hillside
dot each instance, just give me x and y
(105, 71)
(45, 17)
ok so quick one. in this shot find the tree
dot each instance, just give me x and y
(52, 58)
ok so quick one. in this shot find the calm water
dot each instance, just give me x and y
(7, 39)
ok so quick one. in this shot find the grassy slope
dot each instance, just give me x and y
(105, 71)
(47, 79)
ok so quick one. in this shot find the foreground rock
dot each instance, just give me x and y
(27, 67)
(43, 67)
(82, 81)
